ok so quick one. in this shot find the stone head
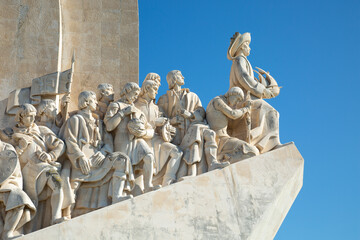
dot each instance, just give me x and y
(47, 108)
(234, 96)
(150, 88)
(130, 92)
(87, 99)
(105, 91)
(154, 77)
(26, 114)
(175, 77)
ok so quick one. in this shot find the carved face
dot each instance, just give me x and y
(28, 119)
(107, 94)
(50, 110)
(132, 96)
(93, 103)
(152, 92)
(234, 100)
(179, 79)
(246, 48)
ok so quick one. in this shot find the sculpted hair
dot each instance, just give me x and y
(234, 91)
(44, 104)
(202, 111)
(145, 86)
(104, 86)
(129, 87)
(170, 78)
(154, 77)
(84, 97)
(24, 110)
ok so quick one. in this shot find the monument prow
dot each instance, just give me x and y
(246, 200)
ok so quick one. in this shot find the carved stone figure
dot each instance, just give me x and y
(167, 155)
(219, 111)
(47, 115)
(99, 177)
(105, 95)
(16, 207)
(178, 104)
(38, 149)
(154, 77)
(128, 126)
(200, 148)
(264, 118)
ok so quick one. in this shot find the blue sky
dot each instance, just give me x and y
(312, 49)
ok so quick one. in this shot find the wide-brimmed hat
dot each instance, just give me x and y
(236, 41)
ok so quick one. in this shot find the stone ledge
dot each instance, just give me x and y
(247, 200)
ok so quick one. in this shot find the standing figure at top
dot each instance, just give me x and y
(178, 104)
(264, 132)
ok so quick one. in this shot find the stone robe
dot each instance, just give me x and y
(124, 141)
(264, 118)
(36, 172)
(161, 149)
(171, 104)
(12, 195)
(83, 138)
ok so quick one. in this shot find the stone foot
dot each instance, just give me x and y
(153, 188)
(218, 165)
(122, 198)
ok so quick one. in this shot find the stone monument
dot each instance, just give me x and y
(88, 153)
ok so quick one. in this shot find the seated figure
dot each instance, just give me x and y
(98, 176)
(38, 149)
(16, 208)
(167, 155)
(199, 146)
(264, 132)
(128, 126)
(220, 110)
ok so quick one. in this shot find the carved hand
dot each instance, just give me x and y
(45, 157)
(128, 110)
(98, 159)
(160, 121)
(84, 164)
(267, 93)
(185, 113)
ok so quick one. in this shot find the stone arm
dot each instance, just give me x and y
(71, 132)
(247, 81)
(53, 143)
(113, 117)
(221, 106)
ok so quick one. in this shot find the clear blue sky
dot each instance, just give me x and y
(312, 48)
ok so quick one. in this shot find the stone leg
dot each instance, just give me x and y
(12, 218)
(57, 197)
(148, 173)
(172, 167)
(211, 151)
(183, 170)
(192, 170)
(118, 181)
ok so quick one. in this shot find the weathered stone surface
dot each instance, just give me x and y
(247, 200)
(38, 37)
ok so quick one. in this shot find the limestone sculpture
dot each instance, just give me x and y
(178, 104)
(128, 125)
(39, 149)
(167, 155)
(264, 118)
(16, 207)
(95, 168)
(220, 110)
(105, 95)
(47, 115)
(200, 147)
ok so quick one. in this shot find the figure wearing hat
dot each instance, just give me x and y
(264, 132)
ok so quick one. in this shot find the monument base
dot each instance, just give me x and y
(247, 200)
